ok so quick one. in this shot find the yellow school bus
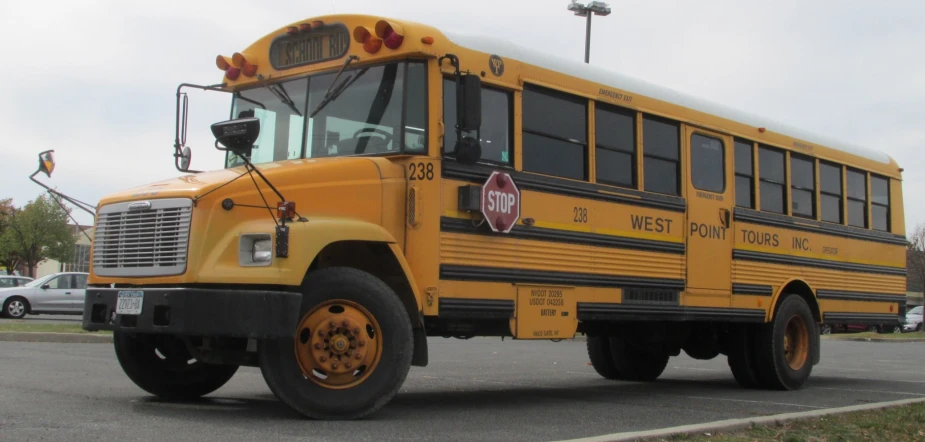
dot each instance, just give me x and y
(386, 181)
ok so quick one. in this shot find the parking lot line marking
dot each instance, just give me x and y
(868, 391)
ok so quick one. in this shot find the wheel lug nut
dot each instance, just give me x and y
(334, 366)
(358, 357)
(356, 331)
(361, 343)
(321, 333)
(317, 346)
(324, 359)
(347, 365)
(332, 324)
(346, 323)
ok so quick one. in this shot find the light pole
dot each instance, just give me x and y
(593, 8)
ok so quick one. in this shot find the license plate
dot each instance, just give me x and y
(129, 303)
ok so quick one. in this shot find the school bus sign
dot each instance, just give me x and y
(500, 202)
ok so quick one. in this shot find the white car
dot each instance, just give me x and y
(913, 320)
(58, 293)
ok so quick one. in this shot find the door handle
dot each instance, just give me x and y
(724, 217)
(67, 293)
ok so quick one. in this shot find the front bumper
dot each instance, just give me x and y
(197, 312)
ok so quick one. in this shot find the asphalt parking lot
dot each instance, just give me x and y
(481, 389)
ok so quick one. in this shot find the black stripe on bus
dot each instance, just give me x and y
(492, 274)
(460, 225)
(752, 289)
(806, 225)
(774, 258)
(858, 296)
(542, 183)
(589, 311)
(860, 318)
(476, 308)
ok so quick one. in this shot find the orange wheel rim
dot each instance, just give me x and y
(796, 343)
(338, 344)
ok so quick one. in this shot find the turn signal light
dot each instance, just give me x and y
(222, 62)
(291, 30)
(285, 209)
(390, 33)
(362, 35)
(232, 73)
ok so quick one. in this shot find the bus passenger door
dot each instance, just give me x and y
(710, 201)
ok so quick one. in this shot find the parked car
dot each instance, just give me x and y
(58, 293)
(858, 328)
(914, 319)
(7, 281)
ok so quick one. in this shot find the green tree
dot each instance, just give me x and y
(39, 231)
(8, 259)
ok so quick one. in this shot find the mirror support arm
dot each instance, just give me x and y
(181, 117)
(454, 61)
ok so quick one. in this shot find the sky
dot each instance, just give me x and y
(95, 80)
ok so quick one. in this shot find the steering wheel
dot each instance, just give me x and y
(387, 137)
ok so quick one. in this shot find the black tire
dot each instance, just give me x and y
(771, 361)
(637, 364)
(741, 357)
(873, 329)
(172, 375)
(16, 307)
(284, 376)
(601, 359)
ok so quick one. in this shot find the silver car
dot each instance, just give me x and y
(7, 281)
(913, 320)
(58, 293)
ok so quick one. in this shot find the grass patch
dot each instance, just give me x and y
(26, 327)
(899, 424)
(891, 336)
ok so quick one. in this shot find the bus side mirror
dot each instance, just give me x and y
(186, 157)
(238, 135)
(469, 103)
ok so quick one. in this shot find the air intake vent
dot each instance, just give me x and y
(133, 239)
(649, 296)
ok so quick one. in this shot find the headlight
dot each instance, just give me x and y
(262, 251)
(255, 250)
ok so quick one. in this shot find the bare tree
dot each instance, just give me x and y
(915, 259)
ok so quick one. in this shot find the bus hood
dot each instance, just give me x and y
(284, 175)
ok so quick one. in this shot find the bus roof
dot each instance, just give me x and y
(603, 76)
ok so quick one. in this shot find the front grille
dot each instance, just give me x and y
(150, 239)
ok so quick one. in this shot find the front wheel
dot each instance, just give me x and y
(15, 308)
(163, 366)
(352, 347)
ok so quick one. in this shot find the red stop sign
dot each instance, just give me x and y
(500, 202)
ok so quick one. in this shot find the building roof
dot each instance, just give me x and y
(506, 49)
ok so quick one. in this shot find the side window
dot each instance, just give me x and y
(830, 184)
(708, 164)
(745, 191)
(8, 282)
(495, 132)
(661, 155)
(555, 132)
(61, 282)
(615, 138)
(857, 198)
(416, 109)
(771, 179)
(880, 203)
(80, 281)
(802, 186)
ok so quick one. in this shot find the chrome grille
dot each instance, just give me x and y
(139, 239)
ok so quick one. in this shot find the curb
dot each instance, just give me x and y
(912, 340)
(730, 425)
(66, 338)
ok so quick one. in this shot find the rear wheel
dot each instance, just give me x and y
(785, 348)
(601, 358)
(637, 363)
(163, 366)
(741, 357)
(352, 348)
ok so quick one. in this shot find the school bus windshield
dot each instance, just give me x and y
(372, 110)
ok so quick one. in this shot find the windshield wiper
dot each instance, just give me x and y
(280, 92)
(333, 91)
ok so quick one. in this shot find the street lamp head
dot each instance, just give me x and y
(599, 8)
(578, 8)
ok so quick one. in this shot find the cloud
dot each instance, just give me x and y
(95, 80)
